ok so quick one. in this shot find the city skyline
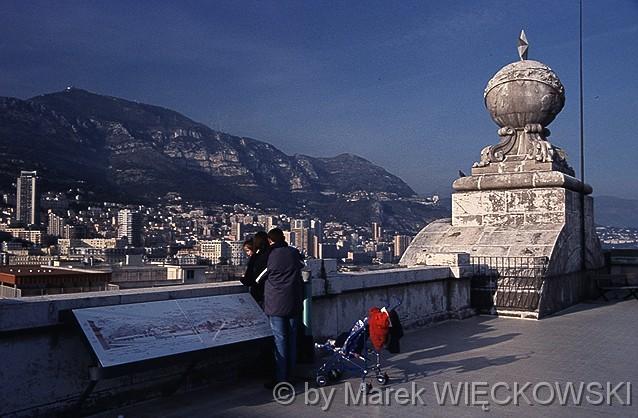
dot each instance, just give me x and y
(268, 207)
(323, 79)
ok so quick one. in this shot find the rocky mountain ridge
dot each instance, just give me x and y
(133, 152)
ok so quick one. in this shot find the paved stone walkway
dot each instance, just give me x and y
(589, 344)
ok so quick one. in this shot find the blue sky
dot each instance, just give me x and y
(399, 83)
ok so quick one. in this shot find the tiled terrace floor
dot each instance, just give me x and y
(589, 343)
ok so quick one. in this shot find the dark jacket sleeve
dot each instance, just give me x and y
(260, 263)
(249, 277)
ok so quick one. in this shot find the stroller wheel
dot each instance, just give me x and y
(321, 380)
(383, 378)
(335, 374)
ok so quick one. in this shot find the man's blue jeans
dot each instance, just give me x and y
(284, 329)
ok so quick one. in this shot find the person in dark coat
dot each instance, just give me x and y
(247, 279)
(396, 332)
(283, 301)
(256, 265)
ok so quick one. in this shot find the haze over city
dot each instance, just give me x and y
(400, 84)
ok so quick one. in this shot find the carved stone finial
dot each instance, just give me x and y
(523, 98)
(523, 46)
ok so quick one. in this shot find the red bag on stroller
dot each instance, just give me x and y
(379, 327)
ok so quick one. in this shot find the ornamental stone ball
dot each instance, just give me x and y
(523, 93)
(523, 98)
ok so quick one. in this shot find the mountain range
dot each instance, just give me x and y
(126, 151)
(130, 152)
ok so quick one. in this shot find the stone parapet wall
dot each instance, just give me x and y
(36, 345)
(46, 311)
(427, 294)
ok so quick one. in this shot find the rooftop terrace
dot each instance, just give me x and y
(593, 343)
(589, 346)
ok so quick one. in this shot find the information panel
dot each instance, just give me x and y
(124, 334)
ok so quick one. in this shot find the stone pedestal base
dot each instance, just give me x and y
(533, 222)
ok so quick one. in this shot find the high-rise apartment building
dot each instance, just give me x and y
(314, 243)
(299, 224)
(317, 229)
(401, 243)
(291, 238)
(55, 225)
(129, 225)
(376, 231)
(27, 198)
(301, 229)
(270, 222)
(70, 232)
(237, 229)
(316, 238)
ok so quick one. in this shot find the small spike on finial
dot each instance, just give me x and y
(523, 45)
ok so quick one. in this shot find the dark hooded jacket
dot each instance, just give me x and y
(283, 289)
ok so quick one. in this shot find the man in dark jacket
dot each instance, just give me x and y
(283, 301)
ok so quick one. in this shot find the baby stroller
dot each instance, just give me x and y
(350, 351)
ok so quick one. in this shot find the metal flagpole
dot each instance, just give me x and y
(580, 70)
(582, 138)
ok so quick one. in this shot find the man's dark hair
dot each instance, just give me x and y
(276, 235)
(248, 243)
(260, 240)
